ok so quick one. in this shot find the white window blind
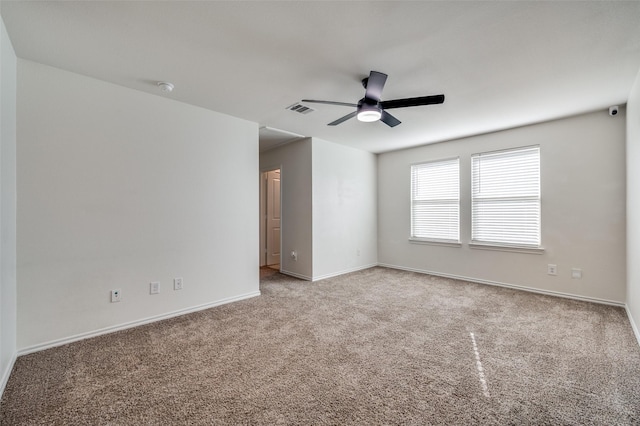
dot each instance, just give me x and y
(435, 200)
(505, 197)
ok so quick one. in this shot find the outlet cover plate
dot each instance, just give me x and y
(154, 287)
(177, 283)
(116, 295)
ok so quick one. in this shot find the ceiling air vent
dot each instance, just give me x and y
(298, 107)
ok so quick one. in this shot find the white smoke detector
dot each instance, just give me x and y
(165, 86)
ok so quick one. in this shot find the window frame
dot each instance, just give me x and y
(502, 245)
(412, 201)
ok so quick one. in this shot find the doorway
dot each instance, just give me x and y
(270, 232)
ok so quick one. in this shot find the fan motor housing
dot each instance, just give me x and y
(368, 103)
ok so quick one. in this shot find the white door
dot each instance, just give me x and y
(273, 217)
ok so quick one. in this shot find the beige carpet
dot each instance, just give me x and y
(372, 347)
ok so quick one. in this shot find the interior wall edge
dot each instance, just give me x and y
(8, 200)
(634, 326)
(7, 373)
(507, 285)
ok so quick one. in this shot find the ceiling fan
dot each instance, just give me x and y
(371, 108)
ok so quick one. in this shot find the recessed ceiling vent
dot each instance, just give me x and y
(302, 109)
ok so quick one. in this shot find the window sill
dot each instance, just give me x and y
(515, 249)
(435, 242)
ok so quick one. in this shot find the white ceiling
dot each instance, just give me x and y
(499, 64)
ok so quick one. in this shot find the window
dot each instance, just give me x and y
(505, 197)
(435, 201)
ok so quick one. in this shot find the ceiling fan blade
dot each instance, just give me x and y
(345, 118)
(389, 119)
(410, 102)
(330, 103)
(375, 84)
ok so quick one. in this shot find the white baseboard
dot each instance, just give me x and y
(6, 373)
(513, 286)
(324, 277)
(296, 275)
(124, 326)
(346, 271)
(634, 326)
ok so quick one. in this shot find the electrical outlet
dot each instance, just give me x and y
(154, 287)
(294, 255)
(576, 273)
(552, 269)
(177, 283)
(116, 295)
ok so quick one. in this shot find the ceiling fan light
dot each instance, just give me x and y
(369, 115)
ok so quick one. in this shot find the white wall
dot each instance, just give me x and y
(583, 209)
(118, 188)
(633, 206)
(344, 209)
(328, 196)
(294, 160)
(8, 319)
